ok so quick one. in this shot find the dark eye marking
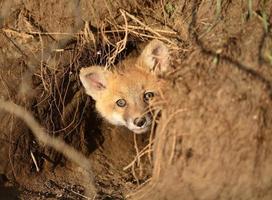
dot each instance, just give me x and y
(121, 102)
(148, 96)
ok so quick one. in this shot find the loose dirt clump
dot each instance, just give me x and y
(213, 139)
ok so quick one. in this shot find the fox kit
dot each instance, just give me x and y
(123, 95)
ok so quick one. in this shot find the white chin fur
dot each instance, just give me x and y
(118, 120)
(139, 130)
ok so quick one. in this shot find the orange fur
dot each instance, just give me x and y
(131, 81)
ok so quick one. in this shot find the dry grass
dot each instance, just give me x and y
(103, 46)
(55, 143)
(57, 79)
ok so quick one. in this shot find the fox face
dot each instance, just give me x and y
(124, 96)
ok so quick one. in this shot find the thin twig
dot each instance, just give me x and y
(53, 142)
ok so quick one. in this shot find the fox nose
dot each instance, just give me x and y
(140, 121)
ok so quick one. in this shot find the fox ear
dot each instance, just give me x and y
(155, 57)
(94, 80)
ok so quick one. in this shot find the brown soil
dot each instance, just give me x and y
(214, 138)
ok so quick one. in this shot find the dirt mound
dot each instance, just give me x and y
(213, 140)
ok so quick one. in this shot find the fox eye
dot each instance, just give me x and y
(121, 102)
(148, 96)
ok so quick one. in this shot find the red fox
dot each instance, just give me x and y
(123, 95)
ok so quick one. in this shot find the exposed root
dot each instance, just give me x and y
(56, 143)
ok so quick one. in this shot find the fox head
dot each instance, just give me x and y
(123, 96)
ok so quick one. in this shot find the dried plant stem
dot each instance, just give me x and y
(162, 137)
(148, 28)
(141, 153)
(55, 143)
